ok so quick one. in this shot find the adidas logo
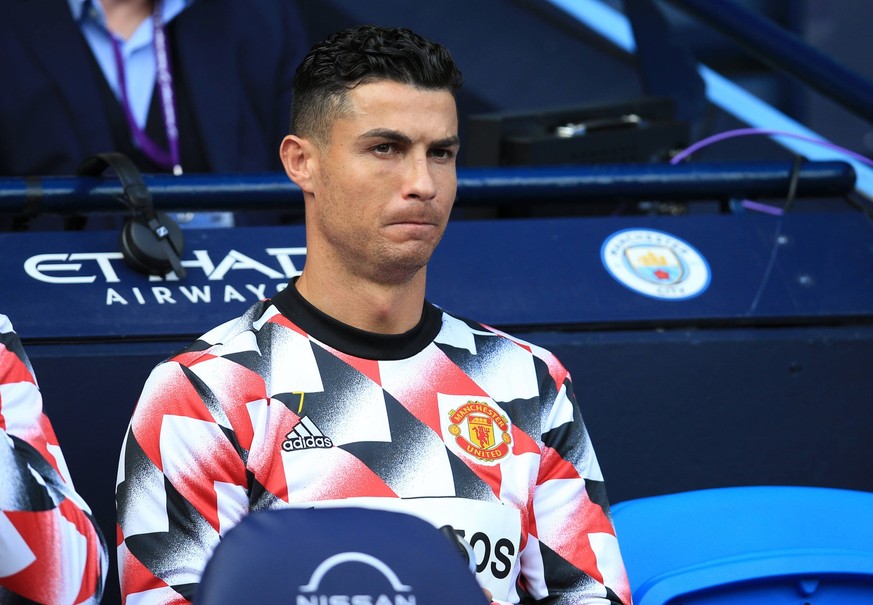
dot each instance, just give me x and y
(305, 435)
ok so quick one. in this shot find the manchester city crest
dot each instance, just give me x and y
(655, 264)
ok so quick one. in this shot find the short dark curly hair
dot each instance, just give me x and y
(359, 55)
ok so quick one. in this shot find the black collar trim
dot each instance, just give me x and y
(351, 340)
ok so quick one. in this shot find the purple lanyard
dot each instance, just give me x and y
(165, 159)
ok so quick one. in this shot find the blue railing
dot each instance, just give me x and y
(476, 186)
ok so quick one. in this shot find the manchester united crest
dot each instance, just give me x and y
(481, 431)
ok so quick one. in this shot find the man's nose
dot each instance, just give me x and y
(420, 183)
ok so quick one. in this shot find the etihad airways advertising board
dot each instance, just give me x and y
(566, 273)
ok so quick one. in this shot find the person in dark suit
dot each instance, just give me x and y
(231, 65)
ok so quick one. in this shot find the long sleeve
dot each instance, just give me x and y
(181, 482)
(572, 555)
(51, 550)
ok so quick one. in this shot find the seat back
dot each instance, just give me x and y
(757, 544)
(348, 555)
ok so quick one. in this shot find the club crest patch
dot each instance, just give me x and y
(480, 430)
(655, 264)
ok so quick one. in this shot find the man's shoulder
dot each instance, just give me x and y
(457, 329)
(235, 335)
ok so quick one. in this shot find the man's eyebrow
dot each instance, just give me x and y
(452, 141)
(399, 137)
(386, 133)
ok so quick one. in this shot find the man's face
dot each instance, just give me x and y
(384, 184)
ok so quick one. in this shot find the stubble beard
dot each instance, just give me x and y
(394, 265)
(374, 258)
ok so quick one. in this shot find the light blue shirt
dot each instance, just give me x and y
(140, 68)
(140, 73)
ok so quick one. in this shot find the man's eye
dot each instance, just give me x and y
(443, 154)
(383, 148)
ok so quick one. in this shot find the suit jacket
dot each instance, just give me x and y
(235, 59)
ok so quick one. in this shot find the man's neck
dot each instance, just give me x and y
(367, 306)
(124, 16)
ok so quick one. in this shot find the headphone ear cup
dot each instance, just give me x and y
(151, 242)
(144, 251)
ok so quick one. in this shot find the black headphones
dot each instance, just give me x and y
(151, 241)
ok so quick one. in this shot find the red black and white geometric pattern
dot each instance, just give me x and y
(51, 550)
(455, 422)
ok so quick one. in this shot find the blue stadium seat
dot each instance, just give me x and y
(337, 555)
(749, 546)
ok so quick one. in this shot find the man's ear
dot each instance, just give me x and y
(298, 158)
